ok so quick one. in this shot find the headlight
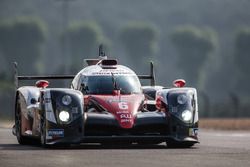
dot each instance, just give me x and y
(182, 99)
(186, 115)
(66, 100)
(64, 116)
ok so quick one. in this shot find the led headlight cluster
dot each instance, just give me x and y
(64, 116)
(186, 115)
(66, 100)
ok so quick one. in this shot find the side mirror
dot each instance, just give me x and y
(83, 87)
(179, 83)
(42, 84)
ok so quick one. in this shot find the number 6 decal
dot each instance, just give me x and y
(123, 105)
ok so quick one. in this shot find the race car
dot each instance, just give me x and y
(106, 103)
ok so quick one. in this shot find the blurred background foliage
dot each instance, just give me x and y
(207, 43)
(242, 59)
(21, 39)
(83, 39)
(139, 41)
(194, 46)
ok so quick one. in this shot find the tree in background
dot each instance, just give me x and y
(82, 40)
(242, 59)
(194, 46)
(140, 43)
(21, 40)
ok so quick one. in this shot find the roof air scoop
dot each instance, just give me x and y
(103, 61)
(109, 63)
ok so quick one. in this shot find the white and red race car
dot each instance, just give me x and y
(106, 103)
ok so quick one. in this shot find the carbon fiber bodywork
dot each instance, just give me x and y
(73, 133)
(149, 127)
(57, 131)
(148, 123)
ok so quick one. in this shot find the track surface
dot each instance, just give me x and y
(217, 149)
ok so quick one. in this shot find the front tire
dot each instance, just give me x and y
(43, 131)
(23, 140)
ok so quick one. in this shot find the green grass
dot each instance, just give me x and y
(225, 123)
(6, 123)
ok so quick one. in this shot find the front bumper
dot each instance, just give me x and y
(72, 133)
(106, 129)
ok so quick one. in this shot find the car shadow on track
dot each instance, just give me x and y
(85, 147)
(19, 147)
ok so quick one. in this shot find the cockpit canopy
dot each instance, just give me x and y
(105, 85)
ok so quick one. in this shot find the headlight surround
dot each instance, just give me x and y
(64, 116)
(66, 100)
(182, 99)
(186, 115)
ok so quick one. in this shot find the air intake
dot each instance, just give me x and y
(108, 63)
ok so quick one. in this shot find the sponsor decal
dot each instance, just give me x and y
(115, 72)
(56, 132)
(123, 112)
(125, 116)
(126, 120)
(193, 131)
(115, 100)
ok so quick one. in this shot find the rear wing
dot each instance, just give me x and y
(151, 75)
(18, 77)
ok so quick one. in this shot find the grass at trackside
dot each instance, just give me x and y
(225, 123)
(6, 123)
(204, 123)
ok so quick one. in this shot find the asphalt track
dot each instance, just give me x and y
(217, 149)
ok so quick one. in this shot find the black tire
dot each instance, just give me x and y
(175, 144)
(43, 131)
(23, 140)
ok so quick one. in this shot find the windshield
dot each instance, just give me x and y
(105, 84)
